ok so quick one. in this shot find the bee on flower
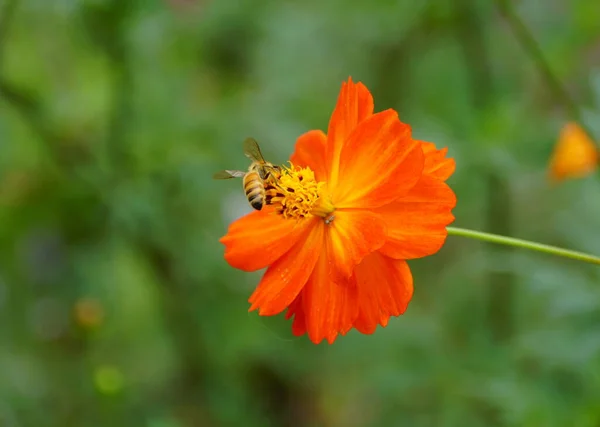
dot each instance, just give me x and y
(260, 177)
(337, 228)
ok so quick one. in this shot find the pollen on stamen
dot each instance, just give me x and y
(297, 194)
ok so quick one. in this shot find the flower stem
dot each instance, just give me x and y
(534, 51)
(525, 244)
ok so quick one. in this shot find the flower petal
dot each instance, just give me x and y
(329, 307)
(354, 105)
(575, 155)
(385, 287)
(259, 238)
(380, 162)
(286, 277)
(349, 238)
(310, 152)
(299, 323)
(416, 224)
(436, 162)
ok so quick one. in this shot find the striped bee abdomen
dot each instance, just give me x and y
(255, 190)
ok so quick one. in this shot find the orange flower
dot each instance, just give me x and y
(351, 208)
(574, 156)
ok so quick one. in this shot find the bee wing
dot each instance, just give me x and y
(252, 150)
(226, 174)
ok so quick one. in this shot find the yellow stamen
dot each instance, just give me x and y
(297, 194)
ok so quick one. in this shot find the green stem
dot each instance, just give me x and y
(534, 51)
(525, 244)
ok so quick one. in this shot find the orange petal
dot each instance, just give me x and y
(329, 307)
(299, 323)
(574, 156)
(286, 277)
(416, 224)
(259, 238)
(349, 238)
(436, 162)
(380, 162)
(385, 287)
(354, 105)
(310, 152)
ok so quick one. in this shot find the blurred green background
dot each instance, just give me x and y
(116, 306)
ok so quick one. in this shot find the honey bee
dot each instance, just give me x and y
(260, 175)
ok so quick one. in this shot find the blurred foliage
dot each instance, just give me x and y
(117, 308)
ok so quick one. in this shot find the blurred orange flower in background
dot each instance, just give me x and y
(351, 208)
(89, 313)
(575, 154)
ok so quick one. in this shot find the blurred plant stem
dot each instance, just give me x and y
(6, 13)
(28, 107)
(533, 50)
(107, 24)
(392, 60)
(523, 244)
(472, 36)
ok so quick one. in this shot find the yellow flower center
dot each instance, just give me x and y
(297, 194)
